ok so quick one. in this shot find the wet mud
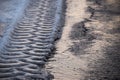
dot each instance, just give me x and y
(99, 36)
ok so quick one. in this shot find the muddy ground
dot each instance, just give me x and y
(10, 11)
(89, 47)
(90, 40)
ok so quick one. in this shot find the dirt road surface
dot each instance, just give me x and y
(65, 65)
(89, 47)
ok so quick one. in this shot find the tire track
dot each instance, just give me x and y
(30, 42)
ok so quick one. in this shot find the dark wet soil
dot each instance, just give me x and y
(10, 11)
(107, 14)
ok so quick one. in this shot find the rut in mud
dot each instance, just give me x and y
(27, 44)
(88, 48)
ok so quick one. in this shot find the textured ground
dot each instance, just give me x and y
(89, 47)
(28, 40)
(10, 11)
